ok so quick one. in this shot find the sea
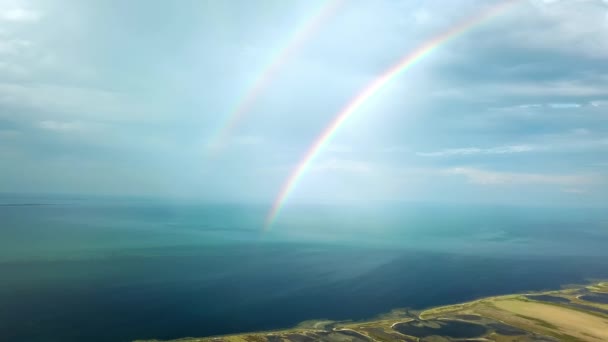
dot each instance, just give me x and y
(119, 269)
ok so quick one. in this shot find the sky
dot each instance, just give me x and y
(125, 98)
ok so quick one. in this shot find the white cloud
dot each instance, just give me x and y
(550, 105)
(19, 14)
(520, 107)
(564, 105)
(528, 106)
(484, 177)
(477, 150)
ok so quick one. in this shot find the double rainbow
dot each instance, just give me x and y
(367, 93)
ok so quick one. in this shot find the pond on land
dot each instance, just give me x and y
(456, 329)
(596, 297)
(507, 330)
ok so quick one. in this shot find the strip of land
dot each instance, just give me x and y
(578, 313)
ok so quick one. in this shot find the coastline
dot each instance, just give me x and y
(553, 315)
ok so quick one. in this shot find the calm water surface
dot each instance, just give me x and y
(75, 269)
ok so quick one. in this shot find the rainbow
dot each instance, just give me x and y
(367, 93)
(310, 27)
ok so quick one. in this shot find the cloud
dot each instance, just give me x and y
(526, 106)
(535, 88)
(577, 27)
(13, 46)
(599, 103)
(61, 126)
(549, 105)
(574, 140)
(68, 100)
(120, 97)
(484, 177)
(564, 105)
(476, 150)
(19, 14)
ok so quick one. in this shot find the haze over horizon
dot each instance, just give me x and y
(123, 98)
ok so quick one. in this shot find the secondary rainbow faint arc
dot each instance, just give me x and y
(367, 93)
(302, 35)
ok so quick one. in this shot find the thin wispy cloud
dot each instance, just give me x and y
(564, 105)
(575, 140)
(61, 126)
(570, 89)
(487, 177)
(477, 150)
(538, 106)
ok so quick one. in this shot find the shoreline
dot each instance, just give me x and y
(544, 315)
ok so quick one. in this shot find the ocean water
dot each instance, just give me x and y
(76, 269)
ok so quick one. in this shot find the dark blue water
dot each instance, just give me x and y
(596, 298)
(455, 329)
(117, 271)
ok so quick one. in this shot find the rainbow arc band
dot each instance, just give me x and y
(296, 43)
(368, 92)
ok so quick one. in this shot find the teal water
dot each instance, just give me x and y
(115, 269)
